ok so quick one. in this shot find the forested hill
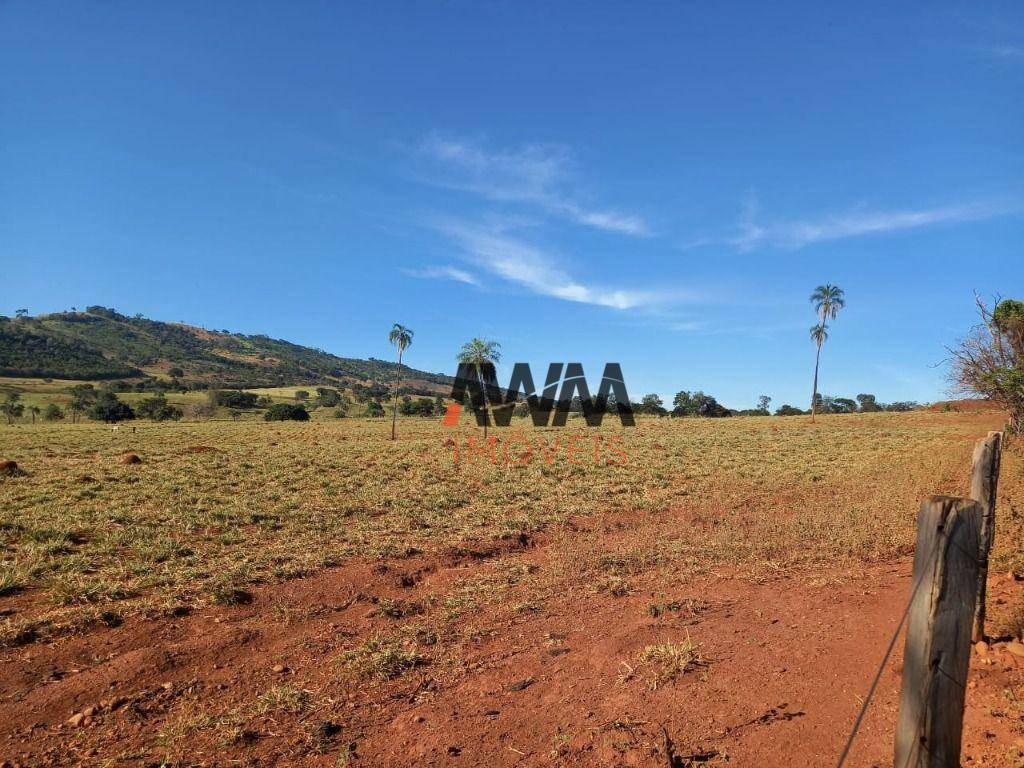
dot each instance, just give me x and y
(101, 343)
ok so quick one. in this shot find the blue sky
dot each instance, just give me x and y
(659, 184)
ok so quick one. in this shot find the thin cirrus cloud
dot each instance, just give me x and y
(537, 174)
(1003, 52)
(444, 272)
(493, 248)
(799, 234)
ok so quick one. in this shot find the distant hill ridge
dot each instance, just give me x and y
(103, 344)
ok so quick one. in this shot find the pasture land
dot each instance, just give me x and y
(315, 593)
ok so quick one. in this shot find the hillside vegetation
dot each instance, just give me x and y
(102, 344)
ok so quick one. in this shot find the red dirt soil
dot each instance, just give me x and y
(786, 664)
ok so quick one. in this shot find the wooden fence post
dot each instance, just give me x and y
(984, 484)
(938, 644)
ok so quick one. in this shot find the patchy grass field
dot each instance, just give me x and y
(216, 506)
(218, 515)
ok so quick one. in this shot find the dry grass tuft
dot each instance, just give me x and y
(382, 658)
(663, 663)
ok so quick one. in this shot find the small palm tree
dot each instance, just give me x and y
(401, 337)
(827, 300)
(35, 411)
(481, 353)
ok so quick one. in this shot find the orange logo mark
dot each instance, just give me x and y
(451, 415)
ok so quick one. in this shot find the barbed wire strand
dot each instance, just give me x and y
(878, 676)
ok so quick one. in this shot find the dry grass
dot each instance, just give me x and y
(82, 533)
(382, 658)
(663, 663)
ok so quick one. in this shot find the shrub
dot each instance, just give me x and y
(286, 412)
(52, 412)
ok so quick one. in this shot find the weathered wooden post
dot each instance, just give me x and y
(984, 484)
(938, 644)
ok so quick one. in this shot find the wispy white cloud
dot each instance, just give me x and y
(686, 326)
(801, 233)
(1002, 52)
(498, 250)
(539, 174)
(444, 272)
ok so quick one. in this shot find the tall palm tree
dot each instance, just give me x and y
(34, 410)
(827, 300)
(401, 337)
(481, 353)
(819, 333)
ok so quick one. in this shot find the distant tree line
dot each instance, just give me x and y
(698, 403)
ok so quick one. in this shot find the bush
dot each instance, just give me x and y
(286, 412)
(52, 412)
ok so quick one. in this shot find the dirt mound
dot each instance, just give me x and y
(131, 458)
(10, 468)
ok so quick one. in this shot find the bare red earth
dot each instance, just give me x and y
(786, 665)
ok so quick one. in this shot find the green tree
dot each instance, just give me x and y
(35, 410)
(653, 404)
(158, 409)
(990, 361)
(868, 404)
(819, 335)
(327, 397)
(11, 408)
(695, 404)
(52, 412)
(827, 300)
(233, 398)
(763, 403)
(374, 409)
(400, 337)
(286, 412)
(407, 408)
(789, 410)
(484, 355)
(82, 398)
(109, 409)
